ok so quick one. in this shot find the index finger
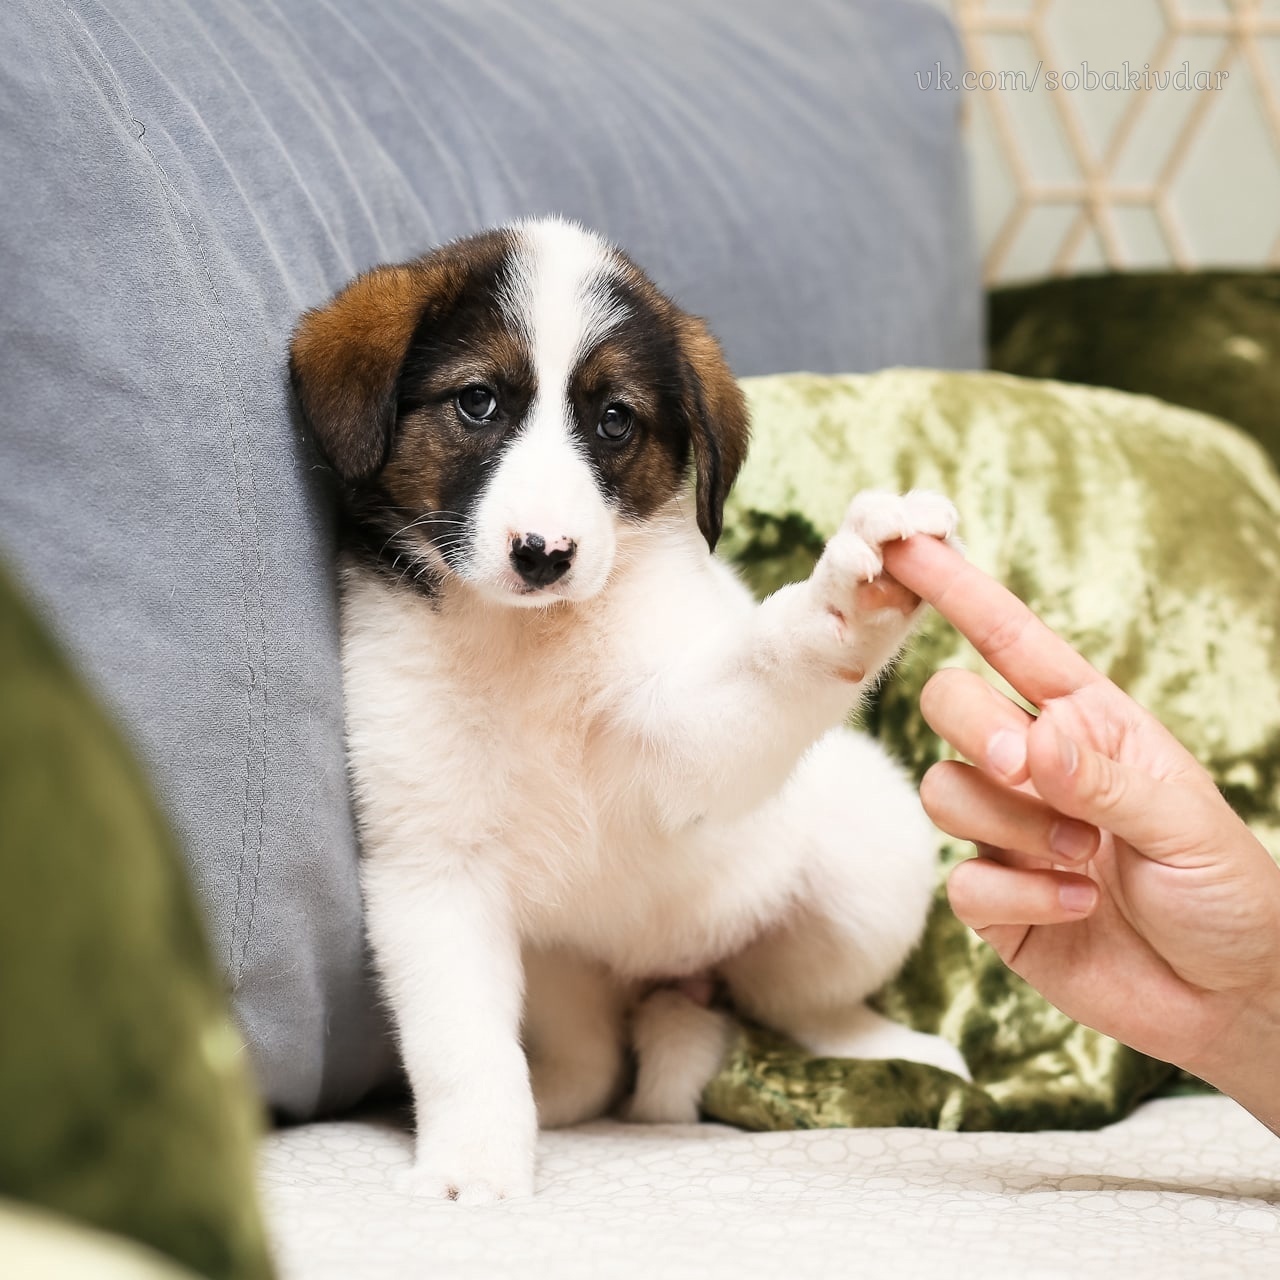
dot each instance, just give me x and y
(1037, 663)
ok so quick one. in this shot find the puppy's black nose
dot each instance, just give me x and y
(538, 566)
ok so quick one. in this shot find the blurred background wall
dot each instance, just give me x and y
(1100, 175)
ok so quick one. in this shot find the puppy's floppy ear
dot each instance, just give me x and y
(717, 414)
(345, 360)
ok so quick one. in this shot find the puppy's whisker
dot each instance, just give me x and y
(447, 518)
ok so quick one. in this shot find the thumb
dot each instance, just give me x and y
(1165, 821)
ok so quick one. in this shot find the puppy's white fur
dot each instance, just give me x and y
(643, 778)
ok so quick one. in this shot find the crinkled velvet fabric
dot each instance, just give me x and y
(125, 1100)
(1209, 340)
(1149, 537)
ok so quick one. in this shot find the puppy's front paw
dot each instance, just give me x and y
(849, 581)
(854, 557)
(472, 1164)
(431, 1178)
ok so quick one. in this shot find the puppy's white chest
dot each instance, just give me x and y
(494, 738)
(478, 738)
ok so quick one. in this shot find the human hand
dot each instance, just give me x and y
(1112, 875)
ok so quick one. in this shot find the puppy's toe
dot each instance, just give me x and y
(476, 1193)
(848, 560)
(878, 517)
(427, 1182)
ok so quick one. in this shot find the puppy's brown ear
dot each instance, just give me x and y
(345, 360)
(718, 421)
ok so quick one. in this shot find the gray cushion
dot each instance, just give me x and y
(183, 176)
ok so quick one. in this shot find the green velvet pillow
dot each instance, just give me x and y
(1149, 537)
(1209, 340)
(123, 1097)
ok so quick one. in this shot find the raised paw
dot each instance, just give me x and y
(855, 555)
(876, 517)
(868, 615)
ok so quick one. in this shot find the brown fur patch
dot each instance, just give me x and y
(344, 360)
(719, 422)
(712, 406)
(494, 355)
(345, 357)
(647, 470)
(611, 371)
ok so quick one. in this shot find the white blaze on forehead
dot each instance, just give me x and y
(558, 296)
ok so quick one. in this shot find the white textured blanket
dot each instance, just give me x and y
(1186, 1187)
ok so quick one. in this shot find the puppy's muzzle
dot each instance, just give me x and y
(538, 564)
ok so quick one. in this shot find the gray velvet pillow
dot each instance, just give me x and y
(182, 177)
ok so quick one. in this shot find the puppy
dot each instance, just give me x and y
(591, 774)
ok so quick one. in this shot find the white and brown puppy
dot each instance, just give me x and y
(586, 764)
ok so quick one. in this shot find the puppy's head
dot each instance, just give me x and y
(498, 409)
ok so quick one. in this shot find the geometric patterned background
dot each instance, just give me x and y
(1082, 179)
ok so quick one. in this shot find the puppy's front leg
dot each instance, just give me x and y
(446, 946)
(718, 732)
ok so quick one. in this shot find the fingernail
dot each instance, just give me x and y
(1072, 841)
(1007, 752)
(1067, 753)
(1078, 897)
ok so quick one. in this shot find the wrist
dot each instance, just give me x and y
(1241, 1061)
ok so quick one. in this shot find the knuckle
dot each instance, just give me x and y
(1103, 786)
(1003, 635)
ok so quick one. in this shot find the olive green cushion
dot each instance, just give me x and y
(1149, 536)
(123, 1098)
(1209, 340)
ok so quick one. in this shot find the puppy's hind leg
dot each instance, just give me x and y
(574, 1033)
(679, 1046)
(862, 892)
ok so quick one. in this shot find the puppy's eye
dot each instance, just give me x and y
(477, 403)
(615, 423)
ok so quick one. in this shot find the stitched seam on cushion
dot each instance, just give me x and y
(250, 532)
